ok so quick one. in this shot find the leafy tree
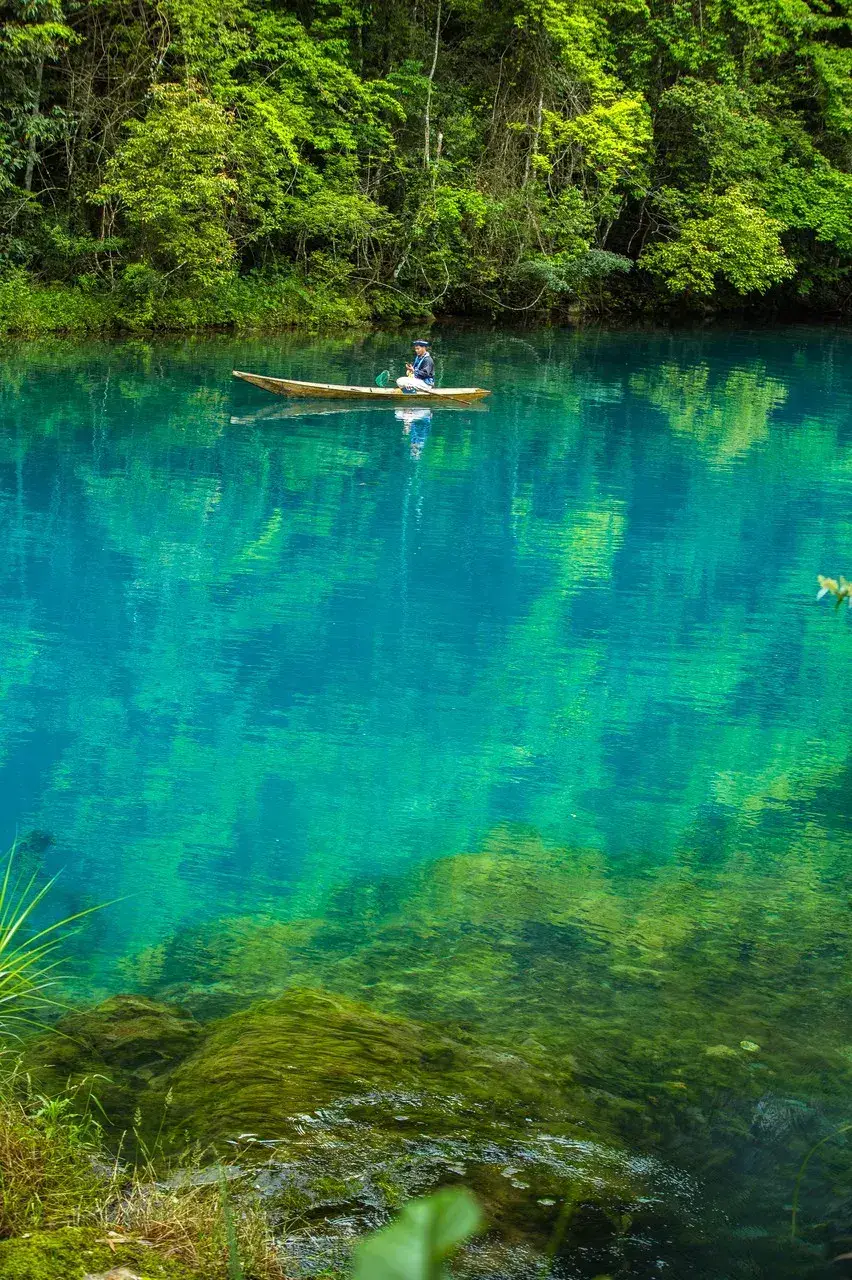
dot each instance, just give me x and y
(173, 179)
(731, 240)
(32, 34)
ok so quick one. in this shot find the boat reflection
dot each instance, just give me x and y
(307, 410)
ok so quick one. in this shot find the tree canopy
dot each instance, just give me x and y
(442, 155)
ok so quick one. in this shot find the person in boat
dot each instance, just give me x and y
(420, 374)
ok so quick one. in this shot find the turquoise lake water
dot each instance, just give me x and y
(259, 657)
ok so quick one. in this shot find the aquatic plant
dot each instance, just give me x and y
(419, 1242)
(838, 587)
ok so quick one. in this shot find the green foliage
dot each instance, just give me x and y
(142, 302)
(400, 167)
(68, 1207)
(732, 241)
(47, 1149)
(31, 33)
(173, 180)
(421, 1240)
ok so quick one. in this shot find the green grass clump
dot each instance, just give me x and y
(56, 1173)
(27, 958)
(48, 1174)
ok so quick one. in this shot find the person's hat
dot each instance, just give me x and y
(420, 342)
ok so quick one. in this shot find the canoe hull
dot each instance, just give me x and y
(333, 391)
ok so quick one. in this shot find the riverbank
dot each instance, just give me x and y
(133, 1134)
(141, 303)
(325, 1117)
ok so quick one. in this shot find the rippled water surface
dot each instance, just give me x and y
(269, 659)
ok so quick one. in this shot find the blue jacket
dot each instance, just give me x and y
(424, 368)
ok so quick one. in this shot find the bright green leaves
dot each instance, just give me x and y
(572, 273)
(290, 120)
(614, 140)
(711, 135)
(221, 136)
(735, 176)
(770, 27)
(341, 219)
(832, 72)
(418, 1243)
(174, 181)
(569, 37)
(730, 240)
(210, 38)
(195, 182)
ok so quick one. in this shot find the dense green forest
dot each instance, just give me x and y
(168, 163)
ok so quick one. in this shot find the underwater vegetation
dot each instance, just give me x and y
(697, 1014)
(336, 1115)
(837, 587)
(694, 971)
(596, 1062)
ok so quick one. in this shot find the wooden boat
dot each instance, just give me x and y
(333, 391)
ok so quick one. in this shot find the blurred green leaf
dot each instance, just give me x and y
(417, 1244)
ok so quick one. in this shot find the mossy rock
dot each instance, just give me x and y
(71, 1253)
(121, 1046)
(256, 1070)
(133, 1033)
(336, 1114)
(347, 1113)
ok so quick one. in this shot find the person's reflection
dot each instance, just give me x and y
(415, 424)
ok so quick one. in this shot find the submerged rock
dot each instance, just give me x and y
(118, 1048)
(254, 1071)
(334, 1115)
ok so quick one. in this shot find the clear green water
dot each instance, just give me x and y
(260, 661)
